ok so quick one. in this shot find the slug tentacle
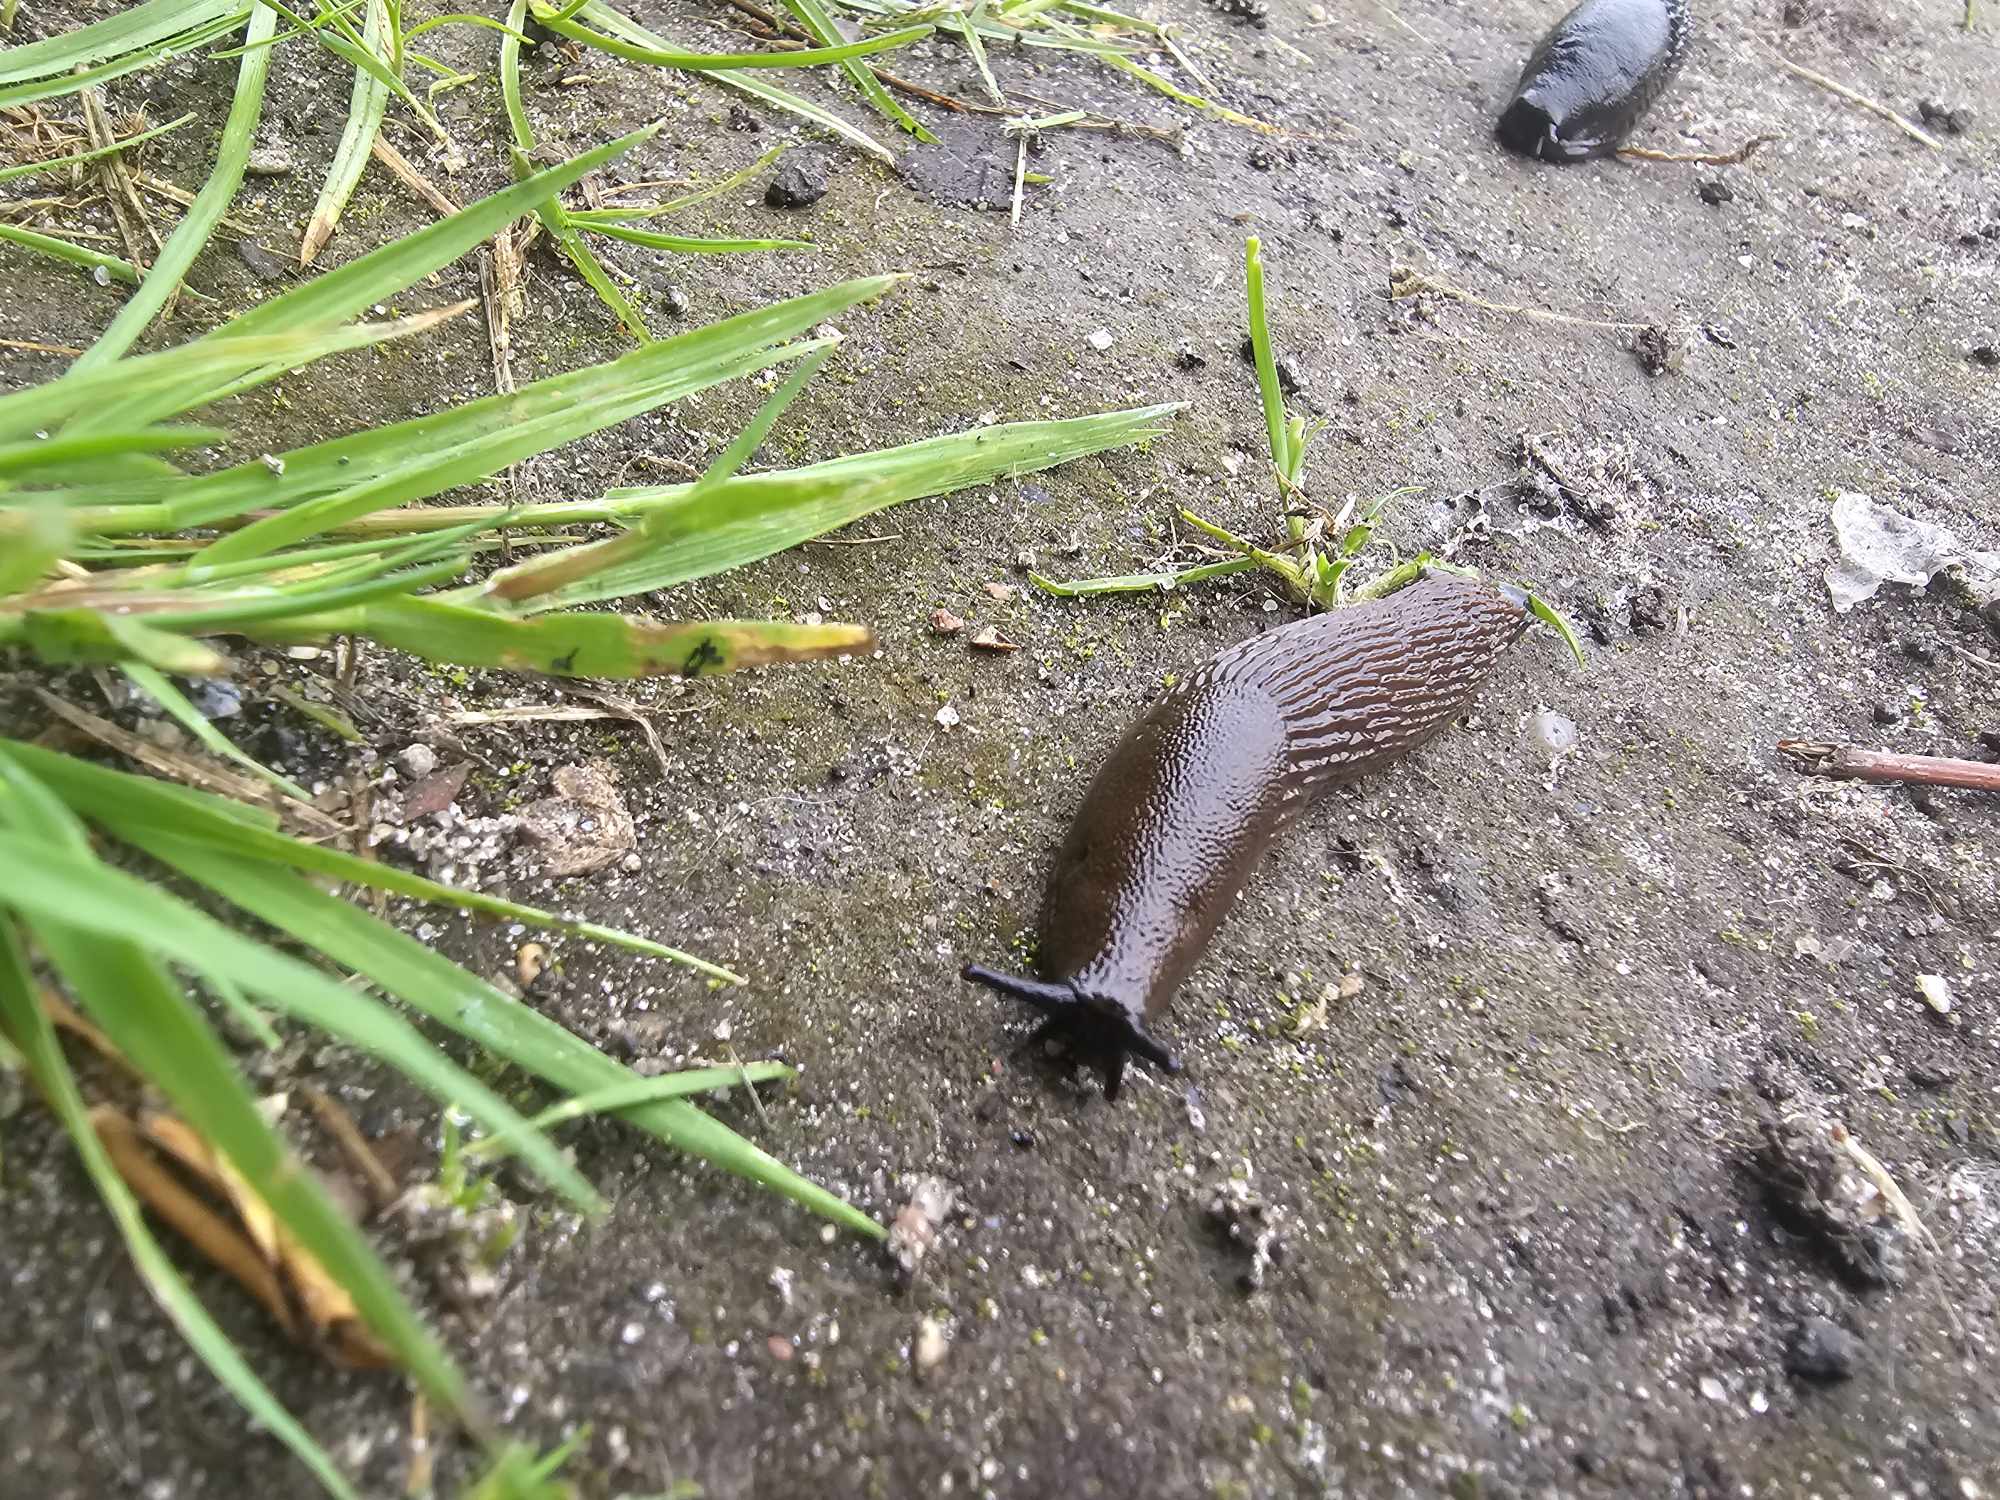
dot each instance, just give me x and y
(1098, 1031)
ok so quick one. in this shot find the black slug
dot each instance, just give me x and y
(1176, 819)
(1593, 76)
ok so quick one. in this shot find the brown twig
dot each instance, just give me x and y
(67, 1017)
(1403, 282)
(411, 178)
(29, 346)
(1847, 763)
(382, 1187)
(201, 773)
(128, 210)
(855, 541)
(176, 194)
(1873, 106)
(419, 1482)
(1734, 158)
(624, 708)
(883, 75)
(500, 266)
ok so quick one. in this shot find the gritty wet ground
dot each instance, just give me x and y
(1519, 1177)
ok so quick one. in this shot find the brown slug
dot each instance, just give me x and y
(1177, 818)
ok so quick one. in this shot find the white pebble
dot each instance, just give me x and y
(1553, 732)
(1936, 993)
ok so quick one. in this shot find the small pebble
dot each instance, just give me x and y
(1822, 1350)
(677, 302)
(1936, 992)
(1715, 192)
(416, 761)
(217, 699)
(1099, 339)
(741, 119)
(269, 161)
(263, 264)
(1987, 355)
(931, 1345)
(799, 181)
(1886, 713)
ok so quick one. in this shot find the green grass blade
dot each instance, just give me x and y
(155, 685)
(573, 564)
(101, 928)
(121, 801)
(755, 515)
(812, 15)
(510, 81)
(33, 463)
(1140, 583)
(473, 442)
(1552, 617)
(58, 636)
(977, 48)
(758, 87)
(232, 999)
(337, 1009)
(429, 982)
(1267, 370)
(381, 274)
(202, 216)
(127, 31)
(611, 21)
(555, 218)
(481, 438)
(674, 57)
(367, 102)
(1207, 106)
(339, 39)
(622, 1096)
(22, 1017)
(596, 645)
(68, 250)
(685, 243)
(41, 534)
(87, 919)
(591, 218)
(245, 615)
(14, 95)
(137, 392)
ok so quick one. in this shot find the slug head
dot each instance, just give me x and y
(1097, 1029)
(1528, 127)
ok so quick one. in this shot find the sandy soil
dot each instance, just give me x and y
(1527, 1246)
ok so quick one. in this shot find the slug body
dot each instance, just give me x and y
(1594, 76)
(1177, 818)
